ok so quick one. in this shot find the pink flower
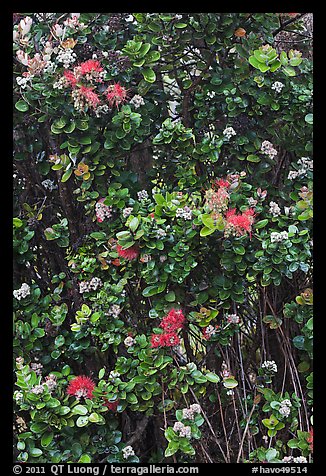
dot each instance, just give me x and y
(70, 77)
(91, 97)
(129, 254)
(81, 387)
(89, 66)
(116, 94)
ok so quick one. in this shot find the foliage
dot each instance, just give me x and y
(162, 168)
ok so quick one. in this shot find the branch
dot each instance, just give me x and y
(288, 22)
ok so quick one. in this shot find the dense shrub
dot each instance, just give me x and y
(162, 238)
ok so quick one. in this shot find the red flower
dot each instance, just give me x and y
(239, 224)
(129, 254)
(116, 94)
(70, 77)
(81, 387)
(165, 340)
(173, 320)
(310, 440)
(111, 405)
(89, 66)
(157, 340)
(222, 183)
(91, 97)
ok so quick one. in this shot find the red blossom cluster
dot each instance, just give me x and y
(116, 94)
(171, 323)
(92, 71)
(129, 254)
(81, 386)
(239, 224)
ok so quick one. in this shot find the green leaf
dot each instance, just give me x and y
(261, 223)
(17, 222)
(206, 231)
(133, 225)
(253, 158)
(288, 71)
(239, 249)
(309, 118)
(208, 221)
(170, 296)
(35, 452)
(101, 374)
(66, 175)
(149, 75)
(211, 377)
(82, 421)
(46, 439)
(84, 459)
(79, 410)
(230, 382)
(172, 448)
(21, 106)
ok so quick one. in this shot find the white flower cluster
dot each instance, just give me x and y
(291, 459)
(19, 397)
(102, 211)
(67, 57)
(233, 319)
(129, 341)
(38, 389)
(50, 67)
(182, 429)
(126, 212)
(101, 110)
(278, 237)
(51, 382)
(229, 132)
(19, 362)
(22, 81)
(60, 84)
(269, 365)
(184, 213)
(113, 374)
(160, 233)
(137, 101)
(92, 285)
(37, 367)
(114, 310)
(274, 209)
(211, 94)
(142, 195)
(285, 408)
(306, 166)
(252, 202)
(191, 412)
(267, 148)
(22, 292)
(277, 86)
(127, 451)
(49, 184)
(210, 330)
